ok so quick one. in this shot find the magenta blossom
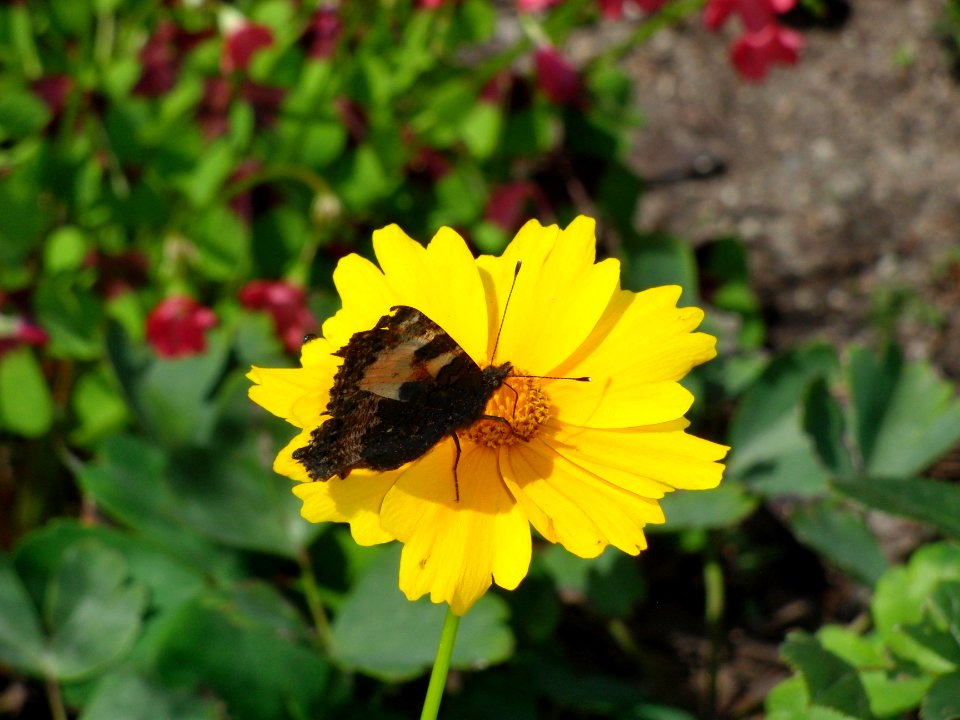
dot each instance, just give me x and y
(177, 327)
(16, 330)
(556, 77)
(323, 33)
(754, 53)
(529, 6)
(287, 306)
(242, 43)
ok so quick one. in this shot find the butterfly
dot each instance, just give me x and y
(403, 386)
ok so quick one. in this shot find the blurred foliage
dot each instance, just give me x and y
(158, 568)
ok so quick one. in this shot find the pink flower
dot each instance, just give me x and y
(557, 78)
(162, 56)
(530, 6)
(117, 274)
(16, 330)
(754, 53)
(507, 204)
(323, 32)
(53, 90)
(242, 43)
(286, 304)
(177, 327)
(764, 41)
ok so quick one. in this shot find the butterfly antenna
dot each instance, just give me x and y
(496, 343)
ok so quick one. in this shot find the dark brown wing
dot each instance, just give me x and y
(402, 387)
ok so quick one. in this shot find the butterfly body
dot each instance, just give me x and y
(403, 386)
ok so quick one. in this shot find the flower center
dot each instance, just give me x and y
(523, 407)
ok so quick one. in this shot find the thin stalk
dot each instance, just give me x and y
(311, 592)
(441, 666)
(55, 699)
(714, 590)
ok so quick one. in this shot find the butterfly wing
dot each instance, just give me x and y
(402, 386)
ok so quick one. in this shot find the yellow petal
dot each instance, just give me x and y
(663, 453)
(586, 513)
(365, 295)
(298, 395)
(441, 281)
(643, 334)
(559, 296)
(454, 550)
(284, 464)
(624, 400)
(355, 499)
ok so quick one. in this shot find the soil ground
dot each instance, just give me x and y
(842, 173)
(842, 177)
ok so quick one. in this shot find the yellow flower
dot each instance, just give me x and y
(584, 463)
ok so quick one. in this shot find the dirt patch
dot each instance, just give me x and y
(842, 174)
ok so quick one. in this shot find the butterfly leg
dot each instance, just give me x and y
(456, 462)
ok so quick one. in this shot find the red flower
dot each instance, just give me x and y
(323, 32)
(527, 6)
(557, 78)
(177, 327)
(53, 90)
(162, 56)
(117, 274)
(754, 53)
(242, 43)
(286, 304)
(16, 331)
(765, 41)
(507, 205)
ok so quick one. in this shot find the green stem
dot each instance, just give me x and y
(311, 592)
(438, 677)
(714, 588)
(57, 709)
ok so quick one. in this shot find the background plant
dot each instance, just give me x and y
(177, 182)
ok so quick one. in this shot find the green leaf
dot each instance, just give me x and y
(380, 633)
(93, 611)
(72, 317)
(26, 406)
(906, 417)
(823, 421)
(939, 631)
(480, 129)
(841, 536)
(226, 495)
(856, 649)
(655, 260)
(222, 242)
(895, 692)
(168, 577)
(213, 167)
(943, 699)
(260, 669)
(723, 506)
(135, 697)
(21, 640)
(770, 450)
(187, 415)
(21, 112)
(611, 581)
(64, 250)
(929, 501)
(830, 681)
(98, 405)
(787, 698)
(900, 599)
